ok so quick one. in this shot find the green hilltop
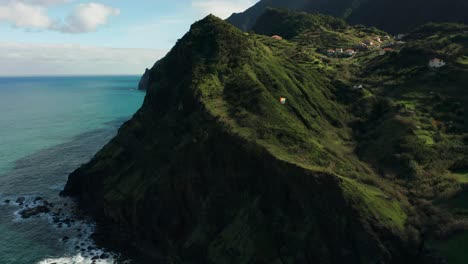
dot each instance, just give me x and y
(365, 161)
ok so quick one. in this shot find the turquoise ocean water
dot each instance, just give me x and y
(48, 127)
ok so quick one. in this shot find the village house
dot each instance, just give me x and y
(331, 52)
(361, 47)
(277, 37)
(389, 45)
(369, 42)
(349, 52)
(378, 39)
(436, 63)
(400, 43)
(385, 51)
(358, 87)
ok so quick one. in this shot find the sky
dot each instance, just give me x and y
(98, 37)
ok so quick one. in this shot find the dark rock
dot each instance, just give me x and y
(7, 201)
(20, 200)
(104, 256)
(65, 238)
(30, 212)
(38, 199)
(145, 81)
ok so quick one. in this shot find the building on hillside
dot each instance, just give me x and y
(331, 52)
(436, 63)
(349, 52)
(358, 87)
(282, 100)
(277, 37)
(361, 47)
(369, 42)
(389, 45)
(385, 51)
(378, 39)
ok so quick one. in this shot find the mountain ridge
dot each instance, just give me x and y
(391, 16)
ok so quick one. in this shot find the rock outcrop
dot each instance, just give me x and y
(145, 81)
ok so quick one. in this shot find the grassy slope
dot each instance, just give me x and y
(425, 148)
(213, 140)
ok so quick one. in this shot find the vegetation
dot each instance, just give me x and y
(395, 16)
(215, 169)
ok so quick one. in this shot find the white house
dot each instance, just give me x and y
(358, 87)
(436, 63)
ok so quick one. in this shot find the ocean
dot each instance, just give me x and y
(49, 126)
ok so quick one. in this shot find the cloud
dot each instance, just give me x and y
(32, 14)
(222, 8)
(19, 59)
(23, 15)
(44, 2)
(87, 17)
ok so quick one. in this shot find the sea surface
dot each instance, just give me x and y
(49, 126)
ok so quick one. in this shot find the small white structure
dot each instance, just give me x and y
(339, 51)
(282, 100)
(358, 87)
(436, 63)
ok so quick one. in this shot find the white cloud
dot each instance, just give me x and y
(44, 2)
(23, 15)
(18, 59)
(32, 14)
(88, 17)
(222, 8)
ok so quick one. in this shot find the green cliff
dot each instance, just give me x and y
(215, 169)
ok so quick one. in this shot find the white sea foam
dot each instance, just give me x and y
(78, 259)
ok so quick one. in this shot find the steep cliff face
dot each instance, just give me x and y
(145, 81)
(214, 169)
